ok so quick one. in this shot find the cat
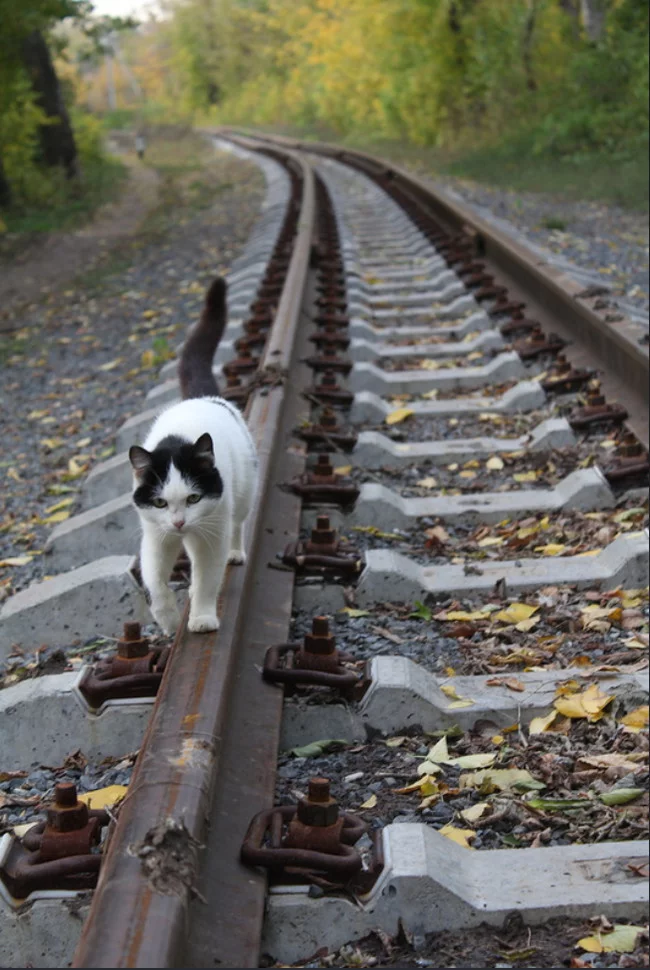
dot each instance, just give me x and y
(194, 481)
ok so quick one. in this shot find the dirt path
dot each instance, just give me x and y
(53, 261)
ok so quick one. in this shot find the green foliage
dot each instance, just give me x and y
(451, 73)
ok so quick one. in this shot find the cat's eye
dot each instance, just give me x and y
(160, 503)
(193, 498)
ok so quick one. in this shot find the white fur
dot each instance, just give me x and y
(213, 530)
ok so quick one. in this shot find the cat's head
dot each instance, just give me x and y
(176, 484)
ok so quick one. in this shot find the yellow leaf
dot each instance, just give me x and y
(394, 742)
(401, 414)
(63, 504)
(450, 691)
(104, 797)
(472, 463)
(497, 739)
(501, 778)
(111, 365)
(467, 474)
(430, 365)
(149, 314)
(539, 725)
(429, 482)
(431, 395)
(57, 517)
(16, 561)
(531, 476)
(416, 785)
(622, 939)
(473, 760)
(343, 470)
(439, 752)
(474, 812)
(370, 802)
(491, 541)
(352, 612)
(459, 836)
(148, 359)
(635, 721)
(494, 464)
(463, 615)
(516, 612)
(12, 473)
(461, 702)
(589, 704)
(83, 442)
(453, 467)
(52, 443)
(35, 415)
(552, 549)
(527, 531)
(527, 625)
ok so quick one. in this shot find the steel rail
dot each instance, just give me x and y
(560, 303)
(140, 918)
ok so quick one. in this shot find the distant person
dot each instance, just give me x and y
(140, 145)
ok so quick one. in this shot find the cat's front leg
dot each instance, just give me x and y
(209, 559)
(157, 557)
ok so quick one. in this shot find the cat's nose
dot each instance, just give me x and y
(178, 523)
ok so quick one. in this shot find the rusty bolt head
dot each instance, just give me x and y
(66, 813)
(319, 640)
(595, 397)
(233, 380)
(537, 335)
(323, 534)
(318, 809)
(323, 466)
(562, 365)
(328, 419)
(329, 379)
(132, 644)
(629, 446)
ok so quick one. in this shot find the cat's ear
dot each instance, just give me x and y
(140, 459)
(204, 449)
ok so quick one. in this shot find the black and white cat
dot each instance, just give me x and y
(194, 481)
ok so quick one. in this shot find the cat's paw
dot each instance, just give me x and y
(167, 617)
(237, 557)
(203, 623)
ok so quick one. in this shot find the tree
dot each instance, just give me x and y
(57, 144)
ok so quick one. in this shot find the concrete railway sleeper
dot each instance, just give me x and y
(441, 473)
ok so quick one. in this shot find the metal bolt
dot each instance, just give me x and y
(562, 365)
(319, 788)
(65, 794)
(328, 419)
(66, 813)
(329, 379)
(319, 640)
(319, 809)
(323, 534)
(629, 446)
(133, 644)
(595, 397)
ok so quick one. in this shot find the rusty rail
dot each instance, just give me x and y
(152, 863)
(559, 302)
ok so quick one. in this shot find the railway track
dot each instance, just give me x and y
(449, 544)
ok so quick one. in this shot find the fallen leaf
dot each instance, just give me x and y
(317, 748)
(611, 760)
(343, 470)
(57, 517)
(551, 549)
(622, 939)
(490, 541)
(111, 365)
(467, 474)
(429, 482)
(424, 781)
(510, 682)
(637, 719)
(501, 778)
(16, 561)
(431, 395)
(558, 804)
(370, 802)
(354, 613)
(459, 836)
(494, 464)
(473, 760)
(394, 742)
(103, 797)
(530, 476)
(450, 691)
(453, 615)
(589, 704)
(401, 414)
(621, 796)
(539, 725)
(64, 503)
(516, 613)
(474, 812)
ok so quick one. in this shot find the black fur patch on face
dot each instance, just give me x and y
(194, 468)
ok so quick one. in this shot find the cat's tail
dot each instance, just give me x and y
(195, 364)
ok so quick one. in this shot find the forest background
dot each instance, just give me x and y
(531, 93)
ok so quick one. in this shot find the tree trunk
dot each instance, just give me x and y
(5, 188)
(527, 47)
(56, 139)
(572, 9)
(594, 15)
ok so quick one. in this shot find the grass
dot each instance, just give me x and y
(71, 204)
(620, 178)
